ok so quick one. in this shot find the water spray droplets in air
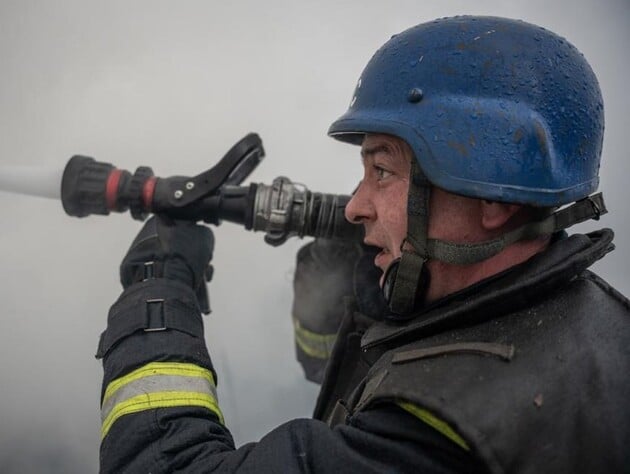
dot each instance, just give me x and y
(31, 180)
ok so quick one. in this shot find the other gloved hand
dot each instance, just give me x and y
(171, 249)
(323, 277)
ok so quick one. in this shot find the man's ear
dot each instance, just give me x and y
(495, 215)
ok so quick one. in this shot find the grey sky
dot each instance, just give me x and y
(173, 85)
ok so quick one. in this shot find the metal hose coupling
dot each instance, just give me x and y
(285, 209)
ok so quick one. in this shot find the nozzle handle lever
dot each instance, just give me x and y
(232, 169)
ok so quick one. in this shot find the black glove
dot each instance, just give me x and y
(175, 250)
(323, 277)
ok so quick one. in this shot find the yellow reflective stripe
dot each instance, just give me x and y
(158, 368)
(159, 385)
(433, 421)
(312, 343)
(150, 401)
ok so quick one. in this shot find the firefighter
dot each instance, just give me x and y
(493, 349)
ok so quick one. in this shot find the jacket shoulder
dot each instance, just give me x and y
(523, 382)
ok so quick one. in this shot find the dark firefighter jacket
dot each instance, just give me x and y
(524, 372)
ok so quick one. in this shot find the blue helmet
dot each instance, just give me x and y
(493, 108)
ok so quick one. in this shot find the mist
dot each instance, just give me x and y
(31, 180)
(173, 85)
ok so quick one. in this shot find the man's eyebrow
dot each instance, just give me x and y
(373, 150)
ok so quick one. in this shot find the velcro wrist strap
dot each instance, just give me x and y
(153, 305)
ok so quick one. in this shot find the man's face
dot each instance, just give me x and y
(380, 202)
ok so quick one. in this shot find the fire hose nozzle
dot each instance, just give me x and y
(83, 186)
(281, 210)
(92, 187)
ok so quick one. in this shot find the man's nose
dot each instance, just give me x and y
(359, 209)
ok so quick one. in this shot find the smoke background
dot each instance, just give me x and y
(173, 85)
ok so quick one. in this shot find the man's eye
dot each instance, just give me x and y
(382, 173)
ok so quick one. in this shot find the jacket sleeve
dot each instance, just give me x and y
(160, 413)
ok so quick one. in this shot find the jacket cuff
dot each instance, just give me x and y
(151, 306)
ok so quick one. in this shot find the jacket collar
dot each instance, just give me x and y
(507, 291)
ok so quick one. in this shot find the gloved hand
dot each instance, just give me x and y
(179, 250)
(367, 290)
(323, 277)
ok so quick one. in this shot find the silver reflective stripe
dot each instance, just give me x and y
(155, 384)
(159, 385)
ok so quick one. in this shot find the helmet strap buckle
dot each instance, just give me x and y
(405, 282)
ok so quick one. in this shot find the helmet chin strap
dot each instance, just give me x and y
(407, 278)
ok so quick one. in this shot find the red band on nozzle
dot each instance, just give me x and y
(147, 192)
(111, 188)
